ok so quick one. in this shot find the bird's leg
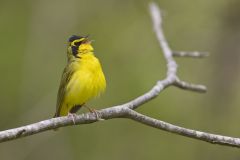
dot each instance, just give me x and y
(73, 116)
(95, 112)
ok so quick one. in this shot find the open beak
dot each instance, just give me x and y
(88, 41)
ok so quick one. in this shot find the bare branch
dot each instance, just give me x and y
(194, 54)
(127, 110)
(168, 54)
(203, 136)
(54, 123)
(116, 112)
(157, 27)
(191, 87)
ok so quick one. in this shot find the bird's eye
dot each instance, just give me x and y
(77, 43)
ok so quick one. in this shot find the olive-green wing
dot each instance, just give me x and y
(66, 76)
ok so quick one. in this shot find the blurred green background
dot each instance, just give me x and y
(33, 54)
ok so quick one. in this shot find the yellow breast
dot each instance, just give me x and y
(87, 81)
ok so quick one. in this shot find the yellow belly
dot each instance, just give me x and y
(87, 81)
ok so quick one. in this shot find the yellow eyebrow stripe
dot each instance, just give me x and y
(77, 40)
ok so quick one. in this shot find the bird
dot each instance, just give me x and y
(82, 78)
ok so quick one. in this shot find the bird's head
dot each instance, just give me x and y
(78, 45)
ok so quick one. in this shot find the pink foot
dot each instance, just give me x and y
(73, 116)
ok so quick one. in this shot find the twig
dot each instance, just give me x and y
(127, 110)
(194, 54)
(188, 86)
